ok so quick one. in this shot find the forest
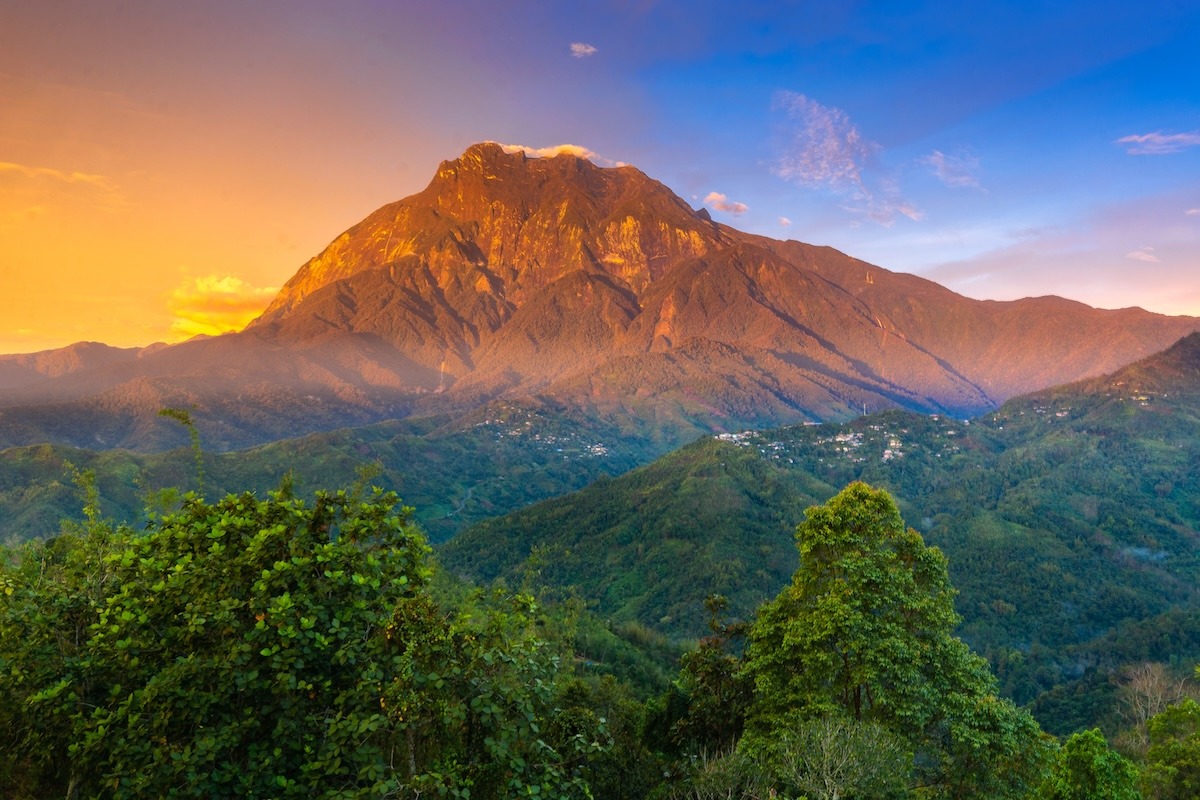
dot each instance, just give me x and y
(283, 647)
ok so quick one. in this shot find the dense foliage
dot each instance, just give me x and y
(271, 648)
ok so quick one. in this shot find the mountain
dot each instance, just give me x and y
(510, 278)
(1070, 517)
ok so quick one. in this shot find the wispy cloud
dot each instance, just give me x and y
(215, 304)
(1159, 143)
(722, 203)
(582, 50)
(38, 187)
(784, 221)
(35, 173)
(1143, 254)
(825, 150)
(959, 171)
(1192, 212)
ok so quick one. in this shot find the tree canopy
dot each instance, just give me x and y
(269, 648)
(865, 631)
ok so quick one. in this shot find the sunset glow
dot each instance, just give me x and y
(165, 167)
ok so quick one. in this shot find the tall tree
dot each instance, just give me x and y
(866, 630)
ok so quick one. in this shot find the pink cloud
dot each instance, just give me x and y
(1159, 143)
(1143, 254)
(784, 221)
(722, 203)
(582, 50)
(825, 149)
(955, 171)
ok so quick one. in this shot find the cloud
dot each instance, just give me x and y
(823, 149)
(1159, 143)
(1143, 254)
(1192, 212)
(784, 221)
(35, 173)
(721, 203)
(582, 50)
(215, 304)
(37, 189)
(579, 151)
(955, 171)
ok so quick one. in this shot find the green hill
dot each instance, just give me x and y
(454, 470)
(1069, 517)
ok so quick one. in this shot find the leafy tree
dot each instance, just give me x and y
(1172, 770)
(865, 630)
(1085, 768)
(270, 648)
(716, 694)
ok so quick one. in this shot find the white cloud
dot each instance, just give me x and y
(582, 50)
(579, 151)
(956, 171)
(1192, 212)
(1159, 143)
(784, 221)
(1143, 254)
(722, 203)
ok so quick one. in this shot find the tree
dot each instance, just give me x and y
(1146, 690)
(834, 757)
(1085, 768)
(1172, 770)
(865, 630)
(270, 648)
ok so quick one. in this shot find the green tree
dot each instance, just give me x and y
(1085, 768)
(1172, 770)
(865, 630)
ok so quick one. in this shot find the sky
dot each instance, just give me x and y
(166, 166)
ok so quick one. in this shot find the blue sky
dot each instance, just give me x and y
(163, 163)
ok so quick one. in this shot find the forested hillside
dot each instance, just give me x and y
(1070, 519)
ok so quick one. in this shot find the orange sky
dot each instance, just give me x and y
(164, 167)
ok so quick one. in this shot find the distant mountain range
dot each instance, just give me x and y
(555, 280)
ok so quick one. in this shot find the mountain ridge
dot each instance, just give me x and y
(514, 277)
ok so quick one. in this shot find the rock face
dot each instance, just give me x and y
(511, 276)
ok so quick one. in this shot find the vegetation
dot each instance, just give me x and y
(1068, 518)
(272, 647)
(455, 471)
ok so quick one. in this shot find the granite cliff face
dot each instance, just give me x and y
(552, 278)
